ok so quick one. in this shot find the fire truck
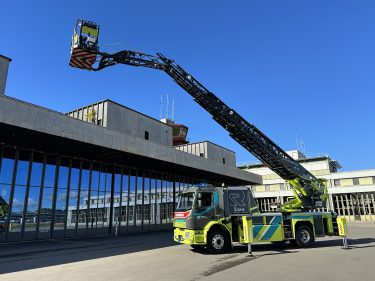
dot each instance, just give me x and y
(216, 217)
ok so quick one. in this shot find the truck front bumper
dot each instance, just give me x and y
(188, 236)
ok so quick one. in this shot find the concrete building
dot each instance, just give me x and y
(209, 150)
(351, 194)
(95, 169)
(4, 65)
(50, 162)
(120, 118)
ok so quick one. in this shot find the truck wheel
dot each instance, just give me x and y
(217, 241)
(304, 236)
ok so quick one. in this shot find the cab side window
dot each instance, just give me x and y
(204, 200)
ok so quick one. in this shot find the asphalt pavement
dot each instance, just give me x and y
(154, 256)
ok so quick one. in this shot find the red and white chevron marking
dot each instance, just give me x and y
(82, 59)
(181, 215)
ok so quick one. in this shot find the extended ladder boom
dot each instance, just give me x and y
(310, 192)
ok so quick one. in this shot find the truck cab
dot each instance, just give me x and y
(209, 216)
(197, 206)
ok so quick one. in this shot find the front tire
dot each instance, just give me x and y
(217, 241)
(304, 236)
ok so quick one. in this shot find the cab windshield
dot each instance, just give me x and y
(185, 202)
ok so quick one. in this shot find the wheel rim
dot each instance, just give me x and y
(304, 236)
(218, 242)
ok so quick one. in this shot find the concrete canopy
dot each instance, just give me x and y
(30, 126)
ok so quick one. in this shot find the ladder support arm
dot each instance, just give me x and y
(310, 192)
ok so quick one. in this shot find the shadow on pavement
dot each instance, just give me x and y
(24, 256)
(288, 248)
(266, 249)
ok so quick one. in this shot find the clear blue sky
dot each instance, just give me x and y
(291, 68)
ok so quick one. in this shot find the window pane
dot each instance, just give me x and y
(74, 178)
(32, 209)
(63, 177)
(6, 170)
(36, 174)
(102, 216)
(117, 183)
(17, 209)
(153, 208)
(95, 180)
(108, 181)
(159, 201)
(85, 179)
(116, 203)
(132, 199)
(124, 200)
(22, 171)
(146, 206)
(94, 203)
(60, 208)
(82, 209)
(72, 209)
(139, 215)
(49, 178)
(46, 210)
(107, 204)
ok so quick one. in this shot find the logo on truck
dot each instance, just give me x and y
(237, 201)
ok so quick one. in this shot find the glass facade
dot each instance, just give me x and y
(44, 196)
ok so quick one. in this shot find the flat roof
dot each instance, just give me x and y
(207, 141)
(121, 105)
(28, 126)
(304, 160)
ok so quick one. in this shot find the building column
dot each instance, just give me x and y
(330, 202)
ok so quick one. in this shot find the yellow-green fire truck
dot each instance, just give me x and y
(216, 217)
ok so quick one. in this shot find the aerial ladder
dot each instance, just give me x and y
(309, 192)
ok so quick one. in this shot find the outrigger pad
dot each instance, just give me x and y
(83, 59)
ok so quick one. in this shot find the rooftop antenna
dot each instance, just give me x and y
(166, 108)
(161, 107)
(297, 142)
(301, 145)
(172, 118)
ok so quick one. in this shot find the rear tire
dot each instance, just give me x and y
(304, 236)
(217, 241)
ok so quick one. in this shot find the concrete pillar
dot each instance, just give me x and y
(4, 64)
(330, 206)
